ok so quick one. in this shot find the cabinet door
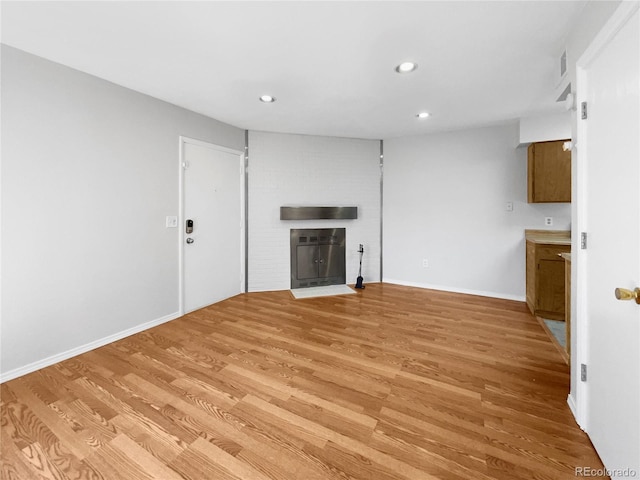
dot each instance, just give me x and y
(549, 173)
(550, 289)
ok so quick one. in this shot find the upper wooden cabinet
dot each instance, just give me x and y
(549, 173)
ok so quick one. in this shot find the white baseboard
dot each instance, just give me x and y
(46, 362)
(572, 406)
(442, 288)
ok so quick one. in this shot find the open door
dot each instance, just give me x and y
(609, 213)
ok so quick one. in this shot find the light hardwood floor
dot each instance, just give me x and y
(391, 383)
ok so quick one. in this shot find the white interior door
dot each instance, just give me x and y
(212, 200)
(608, 145)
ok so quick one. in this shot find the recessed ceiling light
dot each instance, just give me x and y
(406, 67)
(423, 115)
(267, 99)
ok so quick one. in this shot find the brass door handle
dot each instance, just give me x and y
(624, 294)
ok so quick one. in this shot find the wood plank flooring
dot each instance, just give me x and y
(392, 383)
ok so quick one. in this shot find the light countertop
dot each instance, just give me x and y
(549, 237)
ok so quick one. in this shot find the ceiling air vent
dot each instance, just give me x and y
(563, 64)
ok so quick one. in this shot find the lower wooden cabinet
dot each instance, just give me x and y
(546, 280)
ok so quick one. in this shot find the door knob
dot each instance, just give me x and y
(189, 240)
(624, 294)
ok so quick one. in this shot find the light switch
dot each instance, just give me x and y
(172, 222)
(509, 206)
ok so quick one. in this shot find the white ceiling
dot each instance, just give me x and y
(329, 64)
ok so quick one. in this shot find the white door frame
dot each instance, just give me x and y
(181, 216)
(579, 401)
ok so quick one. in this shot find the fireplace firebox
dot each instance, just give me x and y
(317, 257)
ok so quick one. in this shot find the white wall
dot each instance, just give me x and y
(445, 200)
(543, 128)
(89, 172)
(302, 170)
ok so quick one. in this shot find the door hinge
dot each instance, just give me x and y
(583, 240)
(583, 372)
(583, 110)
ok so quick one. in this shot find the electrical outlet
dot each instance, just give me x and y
(171, 222)
(548, 221)
(509, 206)
(425, 263)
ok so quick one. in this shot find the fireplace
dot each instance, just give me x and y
(317, 257)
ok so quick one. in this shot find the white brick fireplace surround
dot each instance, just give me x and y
(302, 170)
